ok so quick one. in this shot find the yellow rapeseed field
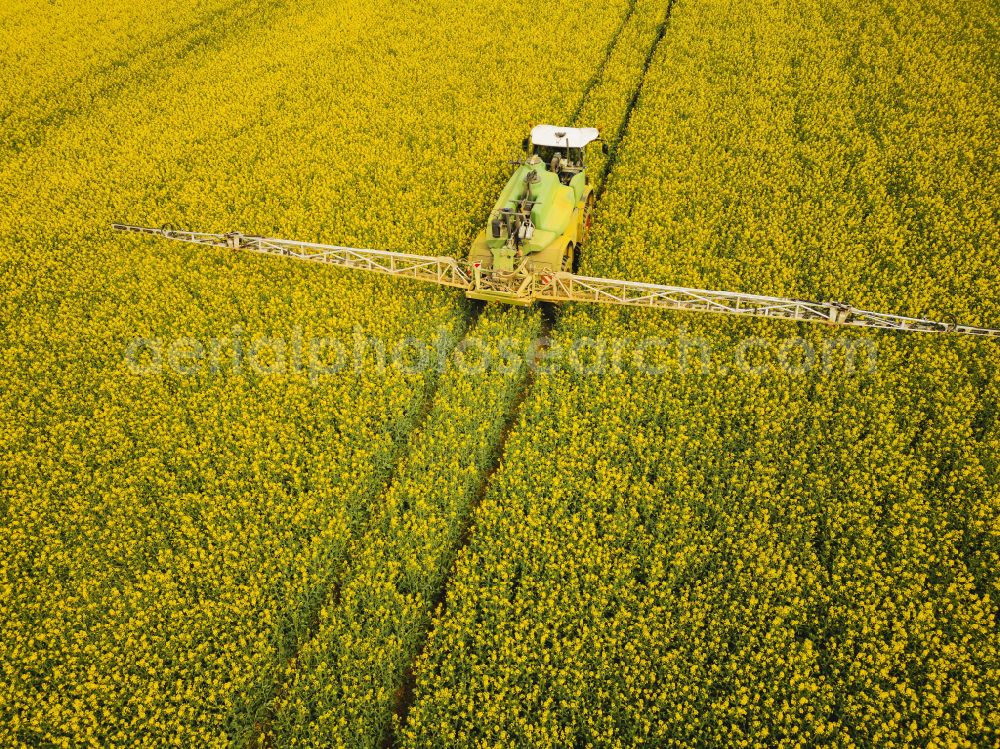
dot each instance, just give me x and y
(773, 546)
(235, 514)
(60, 58)
(171, 535)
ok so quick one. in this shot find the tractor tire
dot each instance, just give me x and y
(588, 218)
(569, 259)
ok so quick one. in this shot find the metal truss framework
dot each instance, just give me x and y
(445, 271)
(524, 286)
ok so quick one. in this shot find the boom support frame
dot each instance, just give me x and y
(445, 271)
(523, 286)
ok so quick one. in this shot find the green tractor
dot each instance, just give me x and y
(541, 218)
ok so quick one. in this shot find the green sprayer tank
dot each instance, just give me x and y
(542, 215)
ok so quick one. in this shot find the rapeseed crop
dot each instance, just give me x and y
(173, 528)
(761, 549)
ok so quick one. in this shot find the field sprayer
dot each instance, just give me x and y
(529, 248)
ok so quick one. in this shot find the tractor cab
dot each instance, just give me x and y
(561, 149)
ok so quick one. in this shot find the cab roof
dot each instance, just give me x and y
(563, 137)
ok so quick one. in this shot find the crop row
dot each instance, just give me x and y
(63, 58)
(787, 536)
(345, 683)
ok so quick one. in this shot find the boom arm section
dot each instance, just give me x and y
(445, 271)
(523, 286)
(565, 287)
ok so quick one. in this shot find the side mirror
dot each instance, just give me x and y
(604, 148)
(524, 145)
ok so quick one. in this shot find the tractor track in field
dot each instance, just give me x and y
(599, 73)
(262, 708)
(115, 79)
(406, 694)
(612, 160)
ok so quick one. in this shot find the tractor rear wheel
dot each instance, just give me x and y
(568, 258)
(588, 218)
